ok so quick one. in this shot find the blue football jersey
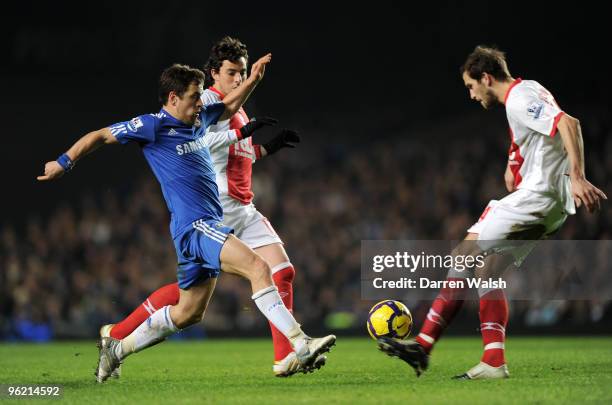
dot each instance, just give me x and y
(180, 159)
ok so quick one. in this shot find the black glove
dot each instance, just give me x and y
(255, 124)
(284, 139)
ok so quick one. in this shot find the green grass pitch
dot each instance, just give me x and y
(543, 370)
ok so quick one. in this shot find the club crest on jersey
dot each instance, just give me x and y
(134, 124)
(535, 109)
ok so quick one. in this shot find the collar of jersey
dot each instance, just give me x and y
(174, 121)
(221, 95)
(514, 83)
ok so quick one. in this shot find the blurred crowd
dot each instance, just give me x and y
(97, 257)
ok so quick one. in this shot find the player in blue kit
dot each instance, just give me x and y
(172, 143)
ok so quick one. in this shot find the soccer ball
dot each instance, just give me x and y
(389, 318)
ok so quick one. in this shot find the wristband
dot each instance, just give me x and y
(65, 162)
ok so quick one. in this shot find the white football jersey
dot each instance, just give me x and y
(232, 158)
(537, 157)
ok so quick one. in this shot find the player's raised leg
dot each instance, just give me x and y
(161, 324)
(166, 295)
(285, 360)
(260, 232)
(238, 258)
(441, 313)
(444, 308)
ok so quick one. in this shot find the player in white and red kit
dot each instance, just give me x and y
(545, 177)
(233, 158)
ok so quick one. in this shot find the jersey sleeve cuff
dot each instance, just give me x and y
(554, 131)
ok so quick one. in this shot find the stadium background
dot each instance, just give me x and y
(392, 149)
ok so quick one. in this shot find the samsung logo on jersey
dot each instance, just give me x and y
(190, 147)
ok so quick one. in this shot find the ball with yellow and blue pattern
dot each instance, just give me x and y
(389, 318)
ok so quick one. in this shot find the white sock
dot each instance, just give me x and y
(152, 331)
(271, 305)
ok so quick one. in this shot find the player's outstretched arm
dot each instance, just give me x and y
(87, 144)
(225, 138)
(239, 96)
(582, 190)
(221, 139)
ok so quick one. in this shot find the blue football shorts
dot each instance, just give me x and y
(198, 250)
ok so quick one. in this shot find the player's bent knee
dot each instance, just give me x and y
(189, 310)
(260, 269)
(255, 267)
(185, 317)
(196, 317)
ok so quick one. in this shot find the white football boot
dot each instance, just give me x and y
(290, 365)
(310, 349)
(108, 360)
(105, 332)
(483, 371)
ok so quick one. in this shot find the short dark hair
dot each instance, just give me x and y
(227, 48)
(486, 59)
(177, 78)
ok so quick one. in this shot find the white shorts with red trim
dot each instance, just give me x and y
(250, 226)
(523, 215)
